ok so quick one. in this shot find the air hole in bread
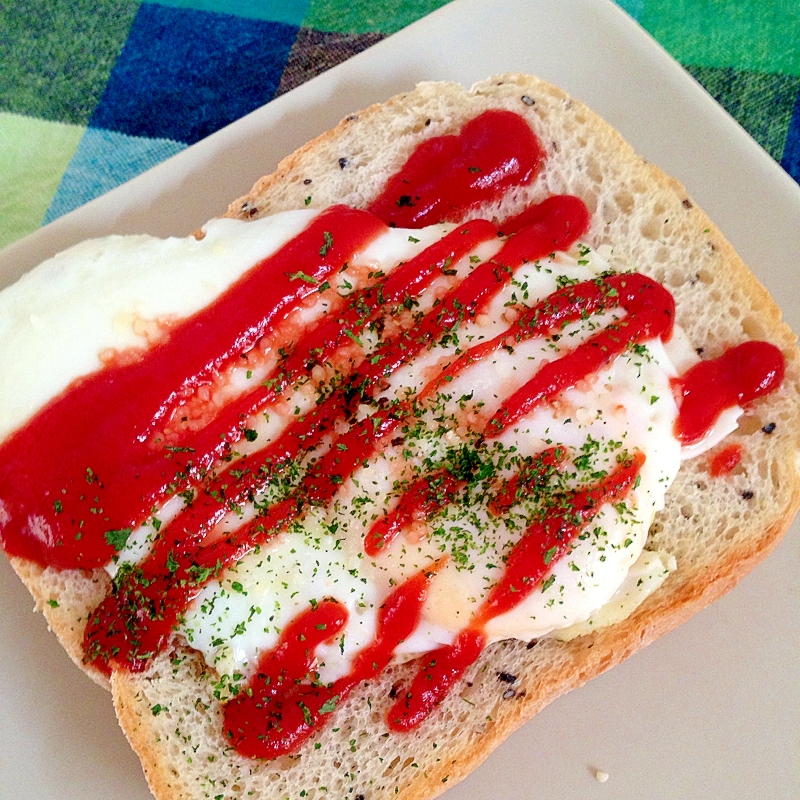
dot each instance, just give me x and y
(394, 762)
(735, 311)
(753, 327)
(605, 662)
(594, 170)
(590, 199)
(610, 213)
(749, 424)
(651, 228)
(729, 534)
(283, 763)
(672, 278)
(625, 201)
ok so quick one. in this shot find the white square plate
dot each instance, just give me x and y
(711, 710)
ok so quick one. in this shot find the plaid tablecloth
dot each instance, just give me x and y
(93, 92)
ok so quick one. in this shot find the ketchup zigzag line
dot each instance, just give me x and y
(406, 282)
(83, 477)
(738, 376)
(542, 544)
(446, 175)
(281, 707)
(135, 621)
(86, 465)
(651, 313)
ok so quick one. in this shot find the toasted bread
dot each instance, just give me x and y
(716, 528)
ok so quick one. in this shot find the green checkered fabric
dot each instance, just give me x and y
(80, 82)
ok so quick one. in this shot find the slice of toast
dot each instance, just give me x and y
(716, 528)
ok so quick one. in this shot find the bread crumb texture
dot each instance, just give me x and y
(175, 723)
(66, 598)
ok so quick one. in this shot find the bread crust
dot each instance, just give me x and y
(717, 529)
(66, 598)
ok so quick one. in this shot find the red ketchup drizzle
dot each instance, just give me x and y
(283, 704)
(407, 281)
(526, 479)
(424, 497)
(738, 376)
(447, 175)
(651, 313)
(104, 472)
(542, 544)
(135, 622)
(726, 460)
(564, 214)
(91, 461)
